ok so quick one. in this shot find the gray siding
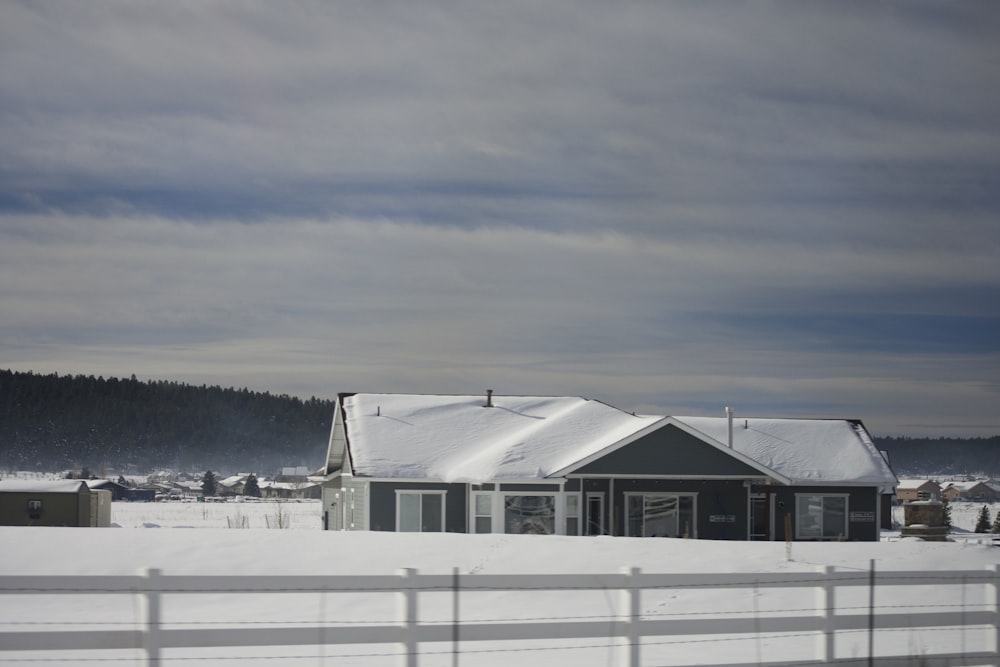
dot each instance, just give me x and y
(714, 498)
(383, 504)
(668, 451)
(862, 502)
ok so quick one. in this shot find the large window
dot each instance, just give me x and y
(530, 514)
(659, 515)
(820, 517)
(420, 511)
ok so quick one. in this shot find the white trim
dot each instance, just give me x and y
(579, 511)
(672, 421)
(433, 480)
(847, 517)
(730, 478)
(473, 515)
(643, 494)
(421, 492)
(599, 495)
(627, 440)
(499, 510)
(611, 506)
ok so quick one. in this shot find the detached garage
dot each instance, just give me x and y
(64, 502)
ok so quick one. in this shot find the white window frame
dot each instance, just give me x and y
(579, 516)
(799, 516)
(601, 525)
(474, 515)
(693, 534)
(500, 509)
(420, 492)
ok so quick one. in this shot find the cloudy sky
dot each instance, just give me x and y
(792, 208)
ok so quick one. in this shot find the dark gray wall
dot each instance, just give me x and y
(668, 451)
(860, 500)
(715, 498)
(382, 499)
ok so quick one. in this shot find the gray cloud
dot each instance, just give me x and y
(788, 206)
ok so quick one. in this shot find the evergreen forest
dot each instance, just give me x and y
(54, 423)
(61, 422)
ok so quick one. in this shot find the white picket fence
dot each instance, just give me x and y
(629, 630)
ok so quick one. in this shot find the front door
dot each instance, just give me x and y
(595, 514)
(760, 517)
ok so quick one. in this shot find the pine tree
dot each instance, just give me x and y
(208, 484)
(996, 524)
(983, 522)
(946, 506)
(250, 487)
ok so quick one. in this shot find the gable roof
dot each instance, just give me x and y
(808, 452)
(458, 439)
(914, 484)
(659, 444)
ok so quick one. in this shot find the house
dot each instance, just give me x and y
(290, 490)
(233, 485)
(294, 474)
(976, 490)
(569, 465)
(116, 489)
(910, 490)
(64, 502)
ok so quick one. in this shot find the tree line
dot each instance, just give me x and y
(55, 422)
(942, 457)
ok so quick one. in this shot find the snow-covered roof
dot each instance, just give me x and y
(41, 486)
(913, 484)
(458, 439)
(967, 486)
(806, 451)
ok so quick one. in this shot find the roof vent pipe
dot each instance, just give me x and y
(489, 398)
(729, 416)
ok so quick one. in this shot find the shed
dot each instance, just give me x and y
(53, 503)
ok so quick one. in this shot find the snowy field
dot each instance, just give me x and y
(193, 538)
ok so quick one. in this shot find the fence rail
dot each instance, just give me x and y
(631, 627)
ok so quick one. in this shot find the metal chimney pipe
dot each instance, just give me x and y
(729, 416)
(489, 398)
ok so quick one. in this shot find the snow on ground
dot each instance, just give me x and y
(237, 513)
(192, 539)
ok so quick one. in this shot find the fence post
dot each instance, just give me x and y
(150, 615)
(993, 604)
(455, 617)
(827, 608)
(408, 611)
(630, 609)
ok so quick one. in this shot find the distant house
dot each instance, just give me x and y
(290, 490)
(53, 503)
(573, 466)
(978, 491)
(910, 490)
(232, 485)
(294, 474)
(118, 491)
